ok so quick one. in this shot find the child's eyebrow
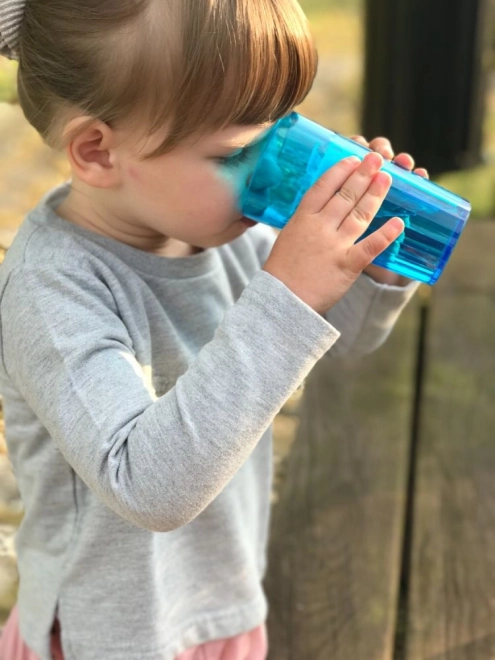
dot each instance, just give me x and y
(242, 144)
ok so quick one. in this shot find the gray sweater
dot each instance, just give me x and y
(138, 395)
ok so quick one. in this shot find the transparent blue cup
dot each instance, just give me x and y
(294, 154)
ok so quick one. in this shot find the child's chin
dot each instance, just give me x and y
(247, 223)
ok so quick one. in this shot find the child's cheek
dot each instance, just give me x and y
(134, 174)
(233, 178)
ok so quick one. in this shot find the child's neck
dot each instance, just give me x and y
(163, 246)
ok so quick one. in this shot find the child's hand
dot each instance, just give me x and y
(316, 255)
(382, 146)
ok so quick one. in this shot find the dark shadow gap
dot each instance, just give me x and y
(400, 638)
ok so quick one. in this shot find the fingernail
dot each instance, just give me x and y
(397, 224)
(352, 160)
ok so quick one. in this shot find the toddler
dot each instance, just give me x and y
(150, 333)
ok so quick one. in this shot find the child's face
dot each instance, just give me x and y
(190, 193)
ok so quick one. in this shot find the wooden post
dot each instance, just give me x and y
(425, 78)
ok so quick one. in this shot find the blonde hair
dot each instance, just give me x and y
(192, 65)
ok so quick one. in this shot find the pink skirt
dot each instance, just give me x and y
(252, 645)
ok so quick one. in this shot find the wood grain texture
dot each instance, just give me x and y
(334, 557)
(452, 597)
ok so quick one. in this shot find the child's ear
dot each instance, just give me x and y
(92, 152)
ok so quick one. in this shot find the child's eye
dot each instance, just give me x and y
(234, 160)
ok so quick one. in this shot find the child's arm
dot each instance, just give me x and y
(158, 462)
(366, 316)
(367, 313)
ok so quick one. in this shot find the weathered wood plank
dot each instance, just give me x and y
(452, 598)
(335, 549)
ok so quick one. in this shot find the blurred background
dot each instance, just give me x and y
(357, 40)
(337, 100)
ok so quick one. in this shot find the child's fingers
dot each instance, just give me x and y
(383, 146)
(406, 161)
(346, 199)
(327, 185)
(360, 139)
(363, 253)
(357, 221)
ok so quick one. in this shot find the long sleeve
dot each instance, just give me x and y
(366, 315)
(158, 462)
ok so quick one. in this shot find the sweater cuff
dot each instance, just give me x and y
(391, 295)
(295, 320)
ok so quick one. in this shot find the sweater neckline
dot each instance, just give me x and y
(194, 265)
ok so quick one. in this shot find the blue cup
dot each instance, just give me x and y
(294, 154)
